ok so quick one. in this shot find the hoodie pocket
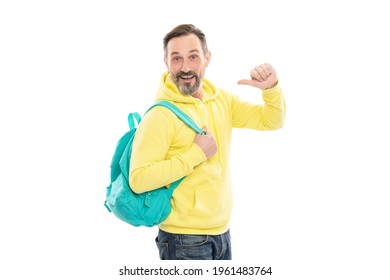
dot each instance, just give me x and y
(212, 207)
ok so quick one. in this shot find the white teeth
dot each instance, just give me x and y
(186, 77)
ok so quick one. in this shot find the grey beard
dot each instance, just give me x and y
(187, 89)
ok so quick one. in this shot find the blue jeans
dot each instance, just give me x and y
(193, 247)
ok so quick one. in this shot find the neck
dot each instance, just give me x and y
(198, 94)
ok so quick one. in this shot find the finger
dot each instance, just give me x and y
(252, 83)
(261, 72)
(267, 69)
(273, 73)
(255, 75)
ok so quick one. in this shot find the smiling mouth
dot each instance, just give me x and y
(187, 77)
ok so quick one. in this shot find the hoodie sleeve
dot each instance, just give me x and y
(153, 164)
(267, 116)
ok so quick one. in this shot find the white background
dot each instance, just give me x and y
(311, 199)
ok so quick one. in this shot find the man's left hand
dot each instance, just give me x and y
(263, 77)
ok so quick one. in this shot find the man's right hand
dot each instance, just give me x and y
(206, 143)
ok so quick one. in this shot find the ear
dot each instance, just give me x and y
(166, 61)
(207, 58)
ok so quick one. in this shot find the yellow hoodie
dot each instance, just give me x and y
(163, 152)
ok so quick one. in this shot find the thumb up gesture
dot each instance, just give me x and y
(262, 77)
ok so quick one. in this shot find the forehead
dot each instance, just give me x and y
(184, 44)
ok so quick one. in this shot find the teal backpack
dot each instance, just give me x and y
(148, 208)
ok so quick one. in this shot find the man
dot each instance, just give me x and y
(165, 149)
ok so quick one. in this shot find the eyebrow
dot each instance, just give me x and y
(191, 51)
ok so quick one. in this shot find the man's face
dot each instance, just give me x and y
(186, 63)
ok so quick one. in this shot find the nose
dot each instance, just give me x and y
(185, 66)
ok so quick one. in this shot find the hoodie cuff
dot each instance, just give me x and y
(272, 91)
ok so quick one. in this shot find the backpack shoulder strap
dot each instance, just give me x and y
(132, 118)
(180, 114)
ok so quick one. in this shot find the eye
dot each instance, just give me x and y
(193, 57)
(176, 59)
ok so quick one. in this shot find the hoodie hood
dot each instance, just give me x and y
(168, 90)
